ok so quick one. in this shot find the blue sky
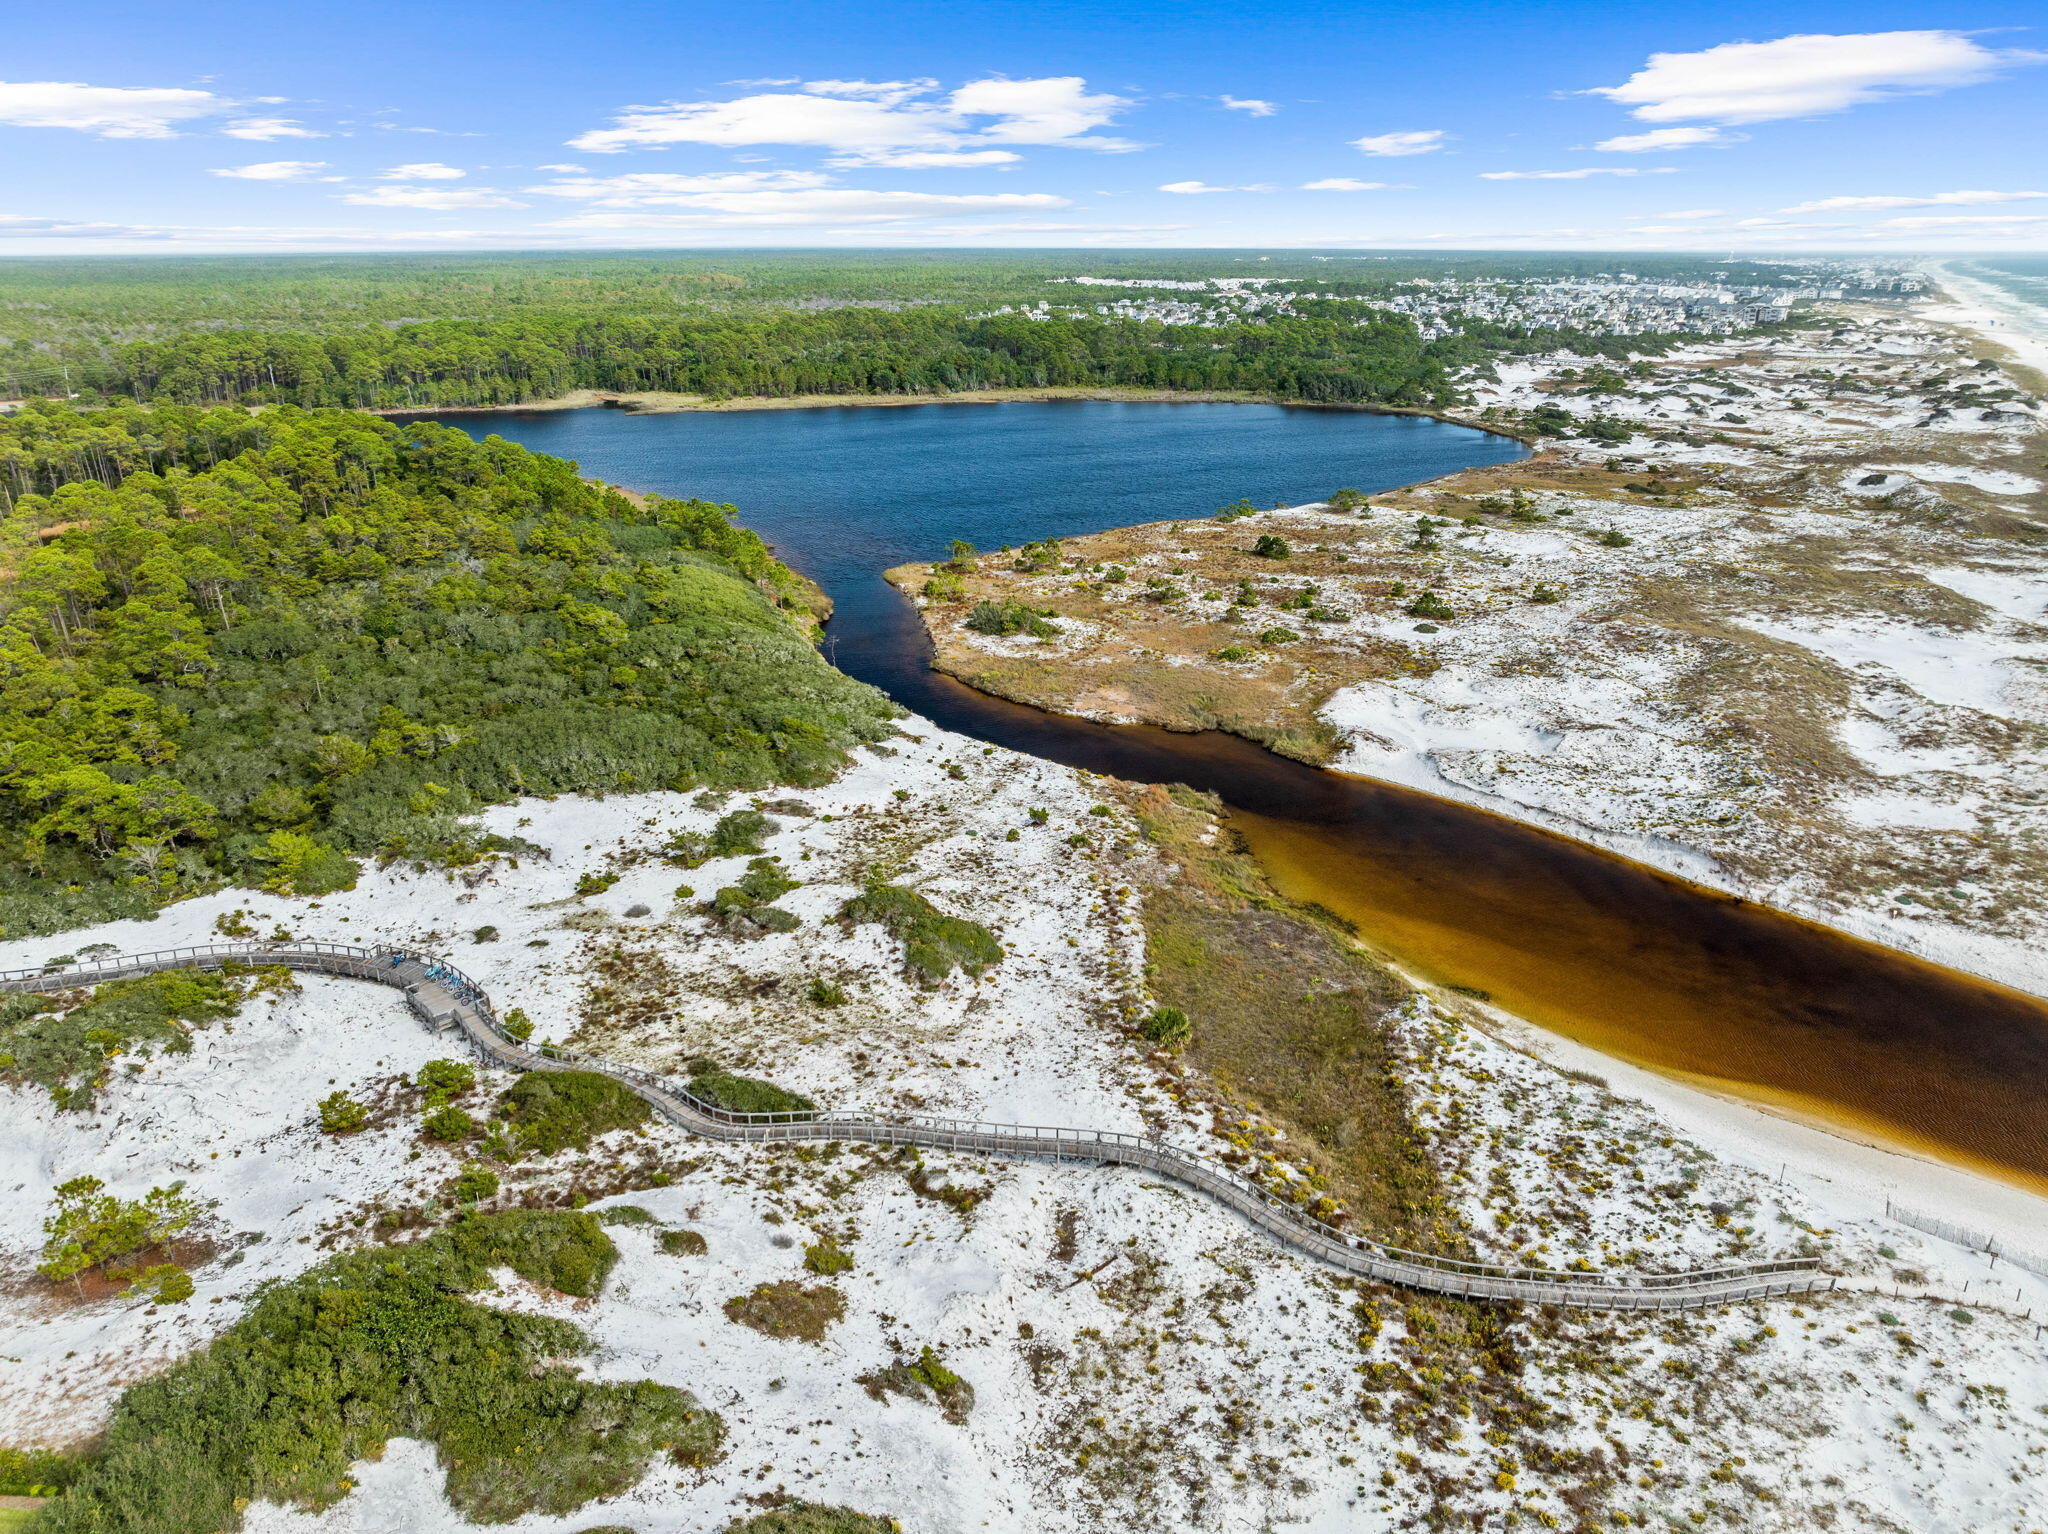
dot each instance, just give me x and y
(239, 126)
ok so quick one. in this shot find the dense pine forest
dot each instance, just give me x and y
(421, 331)
(254, 647)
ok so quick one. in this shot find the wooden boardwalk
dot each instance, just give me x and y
(448, 1001)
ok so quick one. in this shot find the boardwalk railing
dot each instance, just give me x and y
(445, 999)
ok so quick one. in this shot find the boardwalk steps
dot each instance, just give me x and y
(447, 1000)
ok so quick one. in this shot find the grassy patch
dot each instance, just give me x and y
(744, 1094)
(549, 1111)
(789, 1309)
(813, 1518)
(934, 944)
(928, 1379)
(377, 1344)
(1287, 1015)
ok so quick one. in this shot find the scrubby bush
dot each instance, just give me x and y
(595, 883)
(549, 1111)
(1167, 1027)
(934, 944)
(682, 1243)
(788, 1309)
(162, 1283)
(473, 1184)
(518, 1025)
(1010, 616)
(741, 832)
(1430, 605)
(1277, 636)
(1614, 538)
(829, 993)
(448, 1124)
(36, 1472)
(744, 1094)
(626, 1214)
(1272, 546)
(90, 1227)
(827, 1257)
(327, 1368)
(341, 1114)
(442, 1081)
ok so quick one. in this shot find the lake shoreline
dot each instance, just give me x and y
(654, 402)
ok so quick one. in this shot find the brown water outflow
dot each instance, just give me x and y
(1633, 962)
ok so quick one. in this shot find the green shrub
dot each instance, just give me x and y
(1614, 538)
(683, 1243)
(473, 1184)
(295, 864)
(829, 993)
(627, 1214)
(745, 1094)
(1167, 1027)
(327, 1368)
(341, 1114)
(1272, 546)
(928, 1378)
(448, 1124)
(441, 1081)
(594, 883)
(789, 1309)
(1430, 605)
(1274, 636)
(36, 1472)
(550, 1111)
(1010, 616)
(827, 1257)
(934, 944)
(484, 935)
(739, 833)
(162, 1283)
(518, 1025)
(1235, 510)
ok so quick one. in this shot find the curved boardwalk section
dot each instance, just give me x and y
(447, 1000)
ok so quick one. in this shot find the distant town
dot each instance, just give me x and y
(1618, 303)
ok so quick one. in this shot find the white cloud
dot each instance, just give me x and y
(424, 170)
(24, 226)
(1195, 188)
(645, 189)
(263, 129)
(1250, 104)
(1058, 110)
(1937, 200)
(276, 170)
(1575, 175)
(1426, 141)
(922, 159)
(816, 205)
(432, 197)
(888, 92)
(103, 110)
(566, 170)
(1342, 184)
(1659, 139)
(1694, 213)
(1955, 220)
(1803, 76)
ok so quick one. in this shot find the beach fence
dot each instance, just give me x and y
(1975, 1240)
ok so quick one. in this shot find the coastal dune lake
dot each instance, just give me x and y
(1637, 964)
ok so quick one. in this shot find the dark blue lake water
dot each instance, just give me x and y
(844, 492)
